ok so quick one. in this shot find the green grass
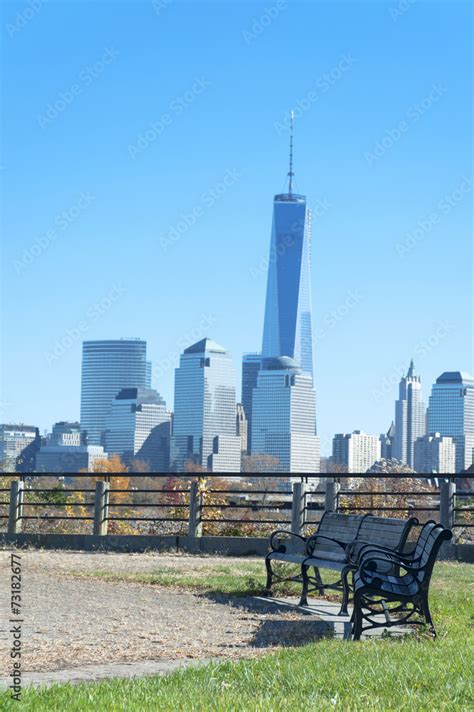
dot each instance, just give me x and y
(413, 673)
(244, 578)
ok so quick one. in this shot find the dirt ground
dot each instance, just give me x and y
(71, 621)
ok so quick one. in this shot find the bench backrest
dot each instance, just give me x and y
(385, 531)
(342, 527)
(429, 542)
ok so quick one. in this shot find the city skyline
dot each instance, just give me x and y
(170, 244)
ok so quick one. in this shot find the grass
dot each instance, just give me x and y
(242, 579)
(412, 673)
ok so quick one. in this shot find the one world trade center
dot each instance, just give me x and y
(288, 325)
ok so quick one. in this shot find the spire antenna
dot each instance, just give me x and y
(290, 172)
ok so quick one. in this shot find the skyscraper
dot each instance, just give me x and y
(435, 453)
(288, 322)
(386, 442)
(138, 427)
(451, 412)
(251, 364)
(107, 367)
(18, 446)
(204, 427)
(355, 452)
(410, 417)
(284, 416)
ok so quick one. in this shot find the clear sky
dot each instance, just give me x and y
(143, 143)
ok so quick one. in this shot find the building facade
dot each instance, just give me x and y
(251, 364)
(355, 452)
(18, 445)
(284, 417)
(241, 428)
(69, 458)
(138, 428)
(410, 417)
(386, 442)
(435, 453)
(451, 413)
(65, 433)
(107, 367)
(205, 409)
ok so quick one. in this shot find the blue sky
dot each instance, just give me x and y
(143, 143)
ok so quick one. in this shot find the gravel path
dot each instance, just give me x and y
(72, 621)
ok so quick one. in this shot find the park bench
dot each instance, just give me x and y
(386, 578)
(335, 546)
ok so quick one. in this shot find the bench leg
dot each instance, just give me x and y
(304, 592)
(357, 619)
(268, 565)
(345, 592)
(427, 615)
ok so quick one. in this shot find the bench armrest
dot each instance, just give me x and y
(372, 565)
(371, 552)
(372, 547)
(276, 545)
(312, 542)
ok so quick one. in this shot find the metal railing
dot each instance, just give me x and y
(218, 504)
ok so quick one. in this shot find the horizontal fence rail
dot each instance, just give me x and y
(221, 504)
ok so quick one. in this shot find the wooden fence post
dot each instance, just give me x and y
(447, 497)
(330, 500)
(195, 510)
(101, 508)
(17, 493)
(298, 507)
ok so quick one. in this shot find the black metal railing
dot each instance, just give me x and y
(148, 503)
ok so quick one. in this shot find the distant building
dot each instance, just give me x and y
(138, 428)
(251, 364)
(65, 433)
(284, 417)
(149, 374)
(386, 443)
(68, 458)
(241, 428)
(435, 453)
(204, 421)
(451, 413)
(107, 367)
(18, 446)
(355, 452)
(410, 417)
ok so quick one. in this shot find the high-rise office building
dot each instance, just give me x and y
(288, 320)
(451, 413)
(435, 453)
(65, 433)
(410, 417)
(68, 458)
(138, 428)
(251, 364)
(355, 452)
(284, 417)
(204, 431)
(149, 374)
(18, 446)
(241, 428)
(107, 367)
(386, 442)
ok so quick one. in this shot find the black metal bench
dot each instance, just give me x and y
(385, 577)
(335, 546)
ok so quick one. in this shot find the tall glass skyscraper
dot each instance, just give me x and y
(107, 367)
(451, 412)
(204, 429)
(410, 417)
(251, 364)
(288, 321)
(284, 417)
